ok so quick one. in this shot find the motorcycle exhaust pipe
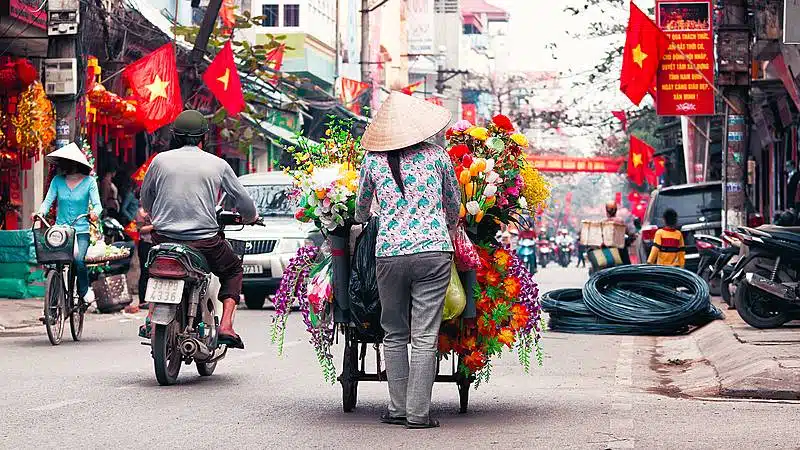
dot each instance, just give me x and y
(770, 287)
(192, 348)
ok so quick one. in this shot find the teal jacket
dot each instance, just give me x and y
(73, 202)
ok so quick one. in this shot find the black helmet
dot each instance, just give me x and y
(190, 123)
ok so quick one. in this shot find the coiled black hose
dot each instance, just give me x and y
(641, 300)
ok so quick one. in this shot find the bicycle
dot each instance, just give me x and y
(55, 247)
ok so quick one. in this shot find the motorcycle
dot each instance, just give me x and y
(545, 251)
(186, 311)
(767, 293)
(527, 253)
(564, 253)
(714, 256)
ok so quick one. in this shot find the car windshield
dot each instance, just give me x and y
(691, 205)
(272, 200)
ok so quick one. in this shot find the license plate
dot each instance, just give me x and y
(160, 290)
(249, 269)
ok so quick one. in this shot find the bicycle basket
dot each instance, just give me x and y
(55, 244)
(238, 247)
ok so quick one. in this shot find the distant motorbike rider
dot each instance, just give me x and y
(180, 192)
(630, 230)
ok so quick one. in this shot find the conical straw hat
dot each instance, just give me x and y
(403, 121)
(70, 152)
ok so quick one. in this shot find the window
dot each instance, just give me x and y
(291, 15)
(270, 13)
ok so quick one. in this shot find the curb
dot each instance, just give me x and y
(712, 361)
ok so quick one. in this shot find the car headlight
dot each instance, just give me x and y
(56, 237)
(289, 245)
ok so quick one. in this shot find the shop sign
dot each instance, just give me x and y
(283, 119)
(29, 12)
(420, 27)
(682, 91)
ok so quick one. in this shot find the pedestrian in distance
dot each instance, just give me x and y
(668, 248)
(415, 185)
(74, 191)
(109, 192)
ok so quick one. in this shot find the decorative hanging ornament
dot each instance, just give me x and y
(34, 121)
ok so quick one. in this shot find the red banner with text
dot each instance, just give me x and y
(682, 91)
(558, 163)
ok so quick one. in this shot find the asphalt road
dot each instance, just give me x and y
(593, 392)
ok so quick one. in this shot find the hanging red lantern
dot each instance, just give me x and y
(26, 72)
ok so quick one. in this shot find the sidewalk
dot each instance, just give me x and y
(731, 359)
(20, 313)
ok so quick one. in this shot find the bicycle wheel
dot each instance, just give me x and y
(77, 309)
(54, 306)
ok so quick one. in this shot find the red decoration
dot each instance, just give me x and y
(411, 88)
(622, 118)
(639, 160)
(645, 44)
(469, 112)
(222, 79)
(350, 91)
(156, 86)
(557, 163)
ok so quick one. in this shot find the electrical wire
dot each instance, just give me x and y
(638, 299)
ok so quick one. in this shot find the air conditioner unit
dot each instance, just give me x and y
(63, 17)
(61, 76)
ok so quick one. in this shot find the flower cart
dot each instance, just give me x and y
(337, 293)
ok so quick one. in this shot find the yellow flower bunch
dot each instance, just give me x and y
(537, 189)
(349, 177)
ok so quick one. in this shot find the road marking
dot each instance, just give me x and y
(621, 421)
(57, 405)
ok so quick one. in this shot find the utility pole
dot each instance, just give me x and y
(365, 72)
(733, 48)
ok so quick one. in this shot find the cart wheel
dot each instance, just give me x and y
(349, 376)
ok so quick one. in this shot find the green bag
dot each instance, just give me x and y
(455, 300)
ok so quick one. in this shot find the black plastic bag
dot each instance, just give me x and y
(365, 304)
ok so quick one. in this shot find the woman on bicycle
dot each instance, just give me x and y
(74, 191)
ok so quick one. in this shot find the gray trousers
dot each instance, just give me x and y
(415, 285)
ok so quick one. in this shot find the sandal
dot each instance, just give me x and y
(391, 420)
(146, 330)
(231, 340)
(432, 423)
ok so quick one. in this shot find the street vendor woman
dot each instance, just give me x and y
(414, 184)
(74, 191)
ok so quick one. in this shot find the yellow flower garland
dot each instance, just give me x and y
(537, 189)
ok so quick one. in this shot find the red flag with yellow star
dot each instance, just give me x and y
(639, 160)
(645, 44)
(156, 86)
(223, 81)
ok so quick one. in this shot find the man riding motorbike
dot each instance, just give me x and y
(180, 192)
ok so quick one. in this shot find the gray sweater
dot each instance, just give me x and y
(181, 190)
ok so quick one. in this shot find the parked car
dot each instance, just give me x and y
(699, 208)
(268, 249)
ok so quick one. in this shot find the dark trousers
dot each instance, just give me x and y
(142, 251)
(224, 263)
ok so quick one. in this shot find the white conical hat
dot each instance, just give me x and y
(403, 121)
(70, 152)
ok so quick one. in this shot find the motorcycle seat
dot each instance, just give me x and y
(196, 259)
(778, 229)
(785, 236)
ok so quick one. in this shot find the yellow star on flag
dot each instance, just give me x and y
(637, 159)
(638, 55)
(225, 78)
(158, 88)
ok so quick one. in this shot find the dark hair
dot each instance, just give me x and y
(393, 158)
(182, 140)
(670, 217)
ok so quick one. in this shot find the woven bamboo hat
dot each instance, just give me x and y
(70, 152)
(403, 121)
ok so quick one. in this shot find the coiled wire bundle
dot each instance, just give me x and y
(638, 299)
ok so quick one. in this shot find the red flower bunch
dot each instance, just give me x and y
(502, 320)
(503, 122)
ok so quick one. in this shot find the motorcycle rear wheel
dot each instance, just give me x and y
(714, 285)
(167, 356)
(753, 307)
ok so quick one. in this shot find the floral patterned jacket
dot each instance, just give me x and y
(421, 220)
